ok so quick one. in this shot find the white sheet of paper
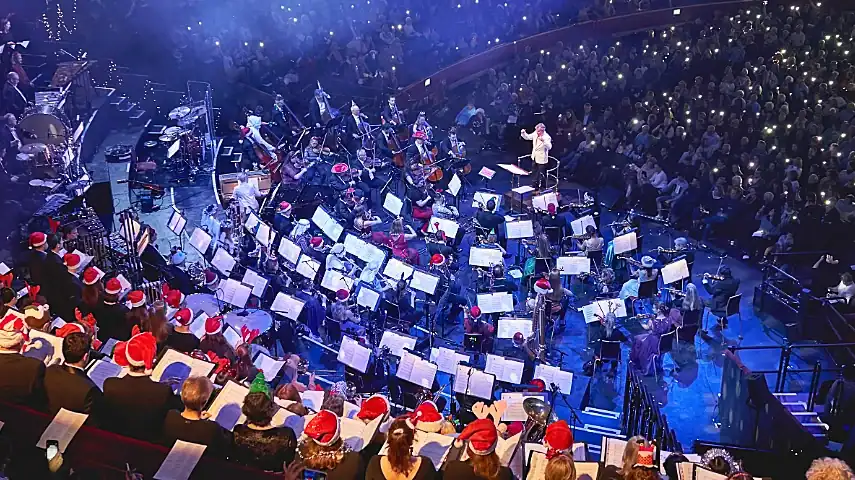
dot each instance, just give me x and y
(523, 189)
(454, 185)
(486, 173)
(550, 375)
(519, 229)
(308, 267)
(505, 449)
(368, 298)
(289, 250)
(675, 271)
(226, 407)
(536, 464)
(56, 324)
(4, 269)
(611, 452)
(234, 292)
(515, 412)
(334, 281)
(415, 370)
(541, 202)
(84, 259)
(327, 224)
(200, 240)
(450, 227)
(287, 305)
(62, 428)
(180, 461)
(477, 383)
(397, 342)
(232, 336)
(313, 399)
(265, 235)
(573, 265)
(397, 270)
(424, 282)
(587, 470)
(499, 302)
(107, 347)
(197, 327)
(393, 204)
(174, 364)
(505, 369)
(223, 261)
(176, 223)
(269, 365)
(356, 434)
(509, 326)
(256, 281)
(101, 370)
(126, 285)
(480, 199)
(601, 307)
(363, 250)
(485, 257)
(580, 224)
(354, 355)
(45, 347)
(433, 446)
(625, 243)
(446, 360)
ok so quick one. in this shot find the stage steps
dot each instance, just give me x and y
(797, 405)
(592, 425)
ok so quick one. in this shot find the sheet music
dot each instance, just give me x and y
(415, 370)
(397, 270)
(265, 234)
(601, 307)
(573, 265)
(107, 347)
(397, 342)
(363, 250)
(356, 434)
(256, 281)
(197, 327)
(234, 292)
(308, 267)
(101, 370)
(470, 381)
(550, 374)
(226, 408)
(393, 204)
(424, 282)
(126, 285)
(334, 281)
(523, 189)
(45, 347)
(446, 360)
(4, 269)
(354, 355)
(454, 185)
(486, 173)
(287, 305)
(450, 227)
(515, 412)
(176, 223)
(519, 229)
(480, 199)
(685, 471)
(62, 428)
(368, 298)
(612, 451)
(269, 365)
(223, 261)
(56, 324)
(433, 446)
(541, 202)
(232, 336)
(485, 257)
(512, 169)
(504, 450)
(509, 326)
(289, 250)
(312, 399)
(84, 259)
(587, 470)
(176, 365)
(625, 243)
(580, 224)
(701, 473)
(675, 271)
(499, 302)
(180, 461)
(200, 240)
(327, 224)
(505, 369)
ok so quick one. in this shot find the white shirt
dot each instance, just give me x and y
(245, 194)
(322, 106)
(540, 146)
(659, 180)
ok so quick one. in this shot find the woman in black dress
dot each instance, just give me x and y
(483, 463)
(257, 443)
(399, 463)
(324, 450)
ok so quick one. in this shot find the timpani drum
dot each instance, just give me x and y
(203, 302)
(44, 126)
(252, 319)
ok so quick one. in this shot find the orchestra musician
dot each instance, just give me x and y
(452, 147)
(592, 245)
(340, 312)
(367, 180)
(282, 221)
(475, 324)
(721, 287)
(254, 124)
(246, 193)
(681, 251)
(355, 127)
(346, 205)
(391, 115)
(387, 143)
(421, 150)
(13, 99)
(295, 170)
(280, 117)
(418, 192)
(9, 141)
(422, 125)
(319, 108)
(365, 220)
(489, 220)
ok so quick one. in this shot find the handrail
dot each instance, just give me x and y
(781, 272)
(641, 414)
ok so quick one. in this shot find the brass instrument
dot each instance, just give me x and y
(644, 316)
(668, 250)
(535, 345)
(196, 272)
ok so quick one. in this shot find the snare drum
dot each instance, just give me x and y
(203, 302)
(252, 319)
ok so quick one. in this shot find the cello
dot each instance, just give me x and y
(430, 162)
(398, 158)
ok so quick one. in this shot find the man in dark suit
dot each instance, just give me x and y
(720, 292)
(10, 141)
(34, 258)
(67, 289)
(54, 268)
(319, 109)
(111, 314)
(354, 128)
(67, 386)
(14, 101)
(21, 378)
(134, 405)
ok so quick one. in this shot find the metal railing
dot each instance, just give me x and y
(786, 353)
(641, 414)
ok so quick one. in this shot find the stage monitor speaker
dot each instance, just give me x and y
(99, 196)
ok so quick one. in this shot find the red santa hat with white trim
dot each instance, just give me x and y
(139, 351)
(324, 429)
(482, 435)
(113, 286)
(214, 325)
(136, 298)
(90, 276)
(12, 329)
(426, 417)
(70, 328)
(37, 239)
(558, 438)
(375, 406)
(183, 317)
(542, 286)
(72, 261)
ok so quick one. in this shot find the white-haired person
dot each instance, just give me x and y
(541, 143)
(246, 194)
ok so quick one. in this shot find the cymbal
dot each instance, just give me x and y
(167, 138)
(33, 148)
(172, 131)
(192, 116)
(538, 411)
(179, 112)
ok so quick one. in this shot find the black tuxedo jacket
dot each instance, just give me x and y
(112, 322)
(21, 380)
(70, 388)
(135, 406)
(13, 102)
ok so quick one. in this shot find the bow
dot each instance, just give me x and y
(6, 280)
(33, 292)
(88, 320)
(53, 225)
(222, 363)
(249, 335)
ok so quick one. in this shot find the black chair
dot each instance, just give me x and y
(691, 325)
(731, 309)
(608, 351)
(666, 344)
(554, 234)
(648, 289)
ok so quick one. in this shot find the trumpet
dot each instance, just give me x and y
(711, 276)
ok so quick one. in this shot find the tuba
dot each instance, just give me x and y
(535, 345)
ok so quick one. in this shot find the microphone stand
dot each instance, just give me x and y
(574, 417)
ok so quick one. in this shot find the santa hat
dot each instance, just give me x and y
(173, 298)
(316, 242)
(284, 206)
(12, 331)
(426, 418)
(558, 438)
(37, 239)
(71, 260)
(342, 295)
(324, 429)
(90, 276)
(136, 298)
(6, 280)
(210, 278)
(139, 351)
(69, 328)
(542, 286)
(113, 286)
(183, 317)
(437, 259)
(375, 406)
(214, 325)
(482, 436)
(645, 456)
(475, 311)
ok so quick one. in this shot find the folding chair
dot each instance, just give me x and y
(608, 351)
(666, 344)
(731, 309)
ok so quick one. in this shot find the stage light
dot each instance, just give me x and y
(549, 77)
(332, 33)
(619, 76)
(200, 24)
(217, 43)
(408, 12)
(281, 7)
(188, 28)
(497, 39)
(524, 18)
(261, 44)
(295, 19)
(563, 66)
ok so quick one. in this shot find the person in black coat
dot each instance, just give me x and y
(191, 424)
(14, 101)
(482, 440)
(68, 386)
(21, 378)
(355, 127)
(67, 289)
(180, 338)
(34, 259)
(319, 109)
(135, 405)
(111, 314)
(720, 291)
(257, 443)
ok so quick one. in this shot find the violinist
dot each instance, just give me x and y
(347, 203)
(367, 181)
(294, 170)
(312, 152)
(592, 245)
(391, 115)
(440, 209)
(364, 220)
(282, 221)
(423, 126)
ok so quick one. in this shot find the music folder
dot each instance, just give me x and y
(397, 342)
(581, 224)
(416, 370)
(499, 302)
(625, 243)
(675, 271)
(476, 383)
(354, 355)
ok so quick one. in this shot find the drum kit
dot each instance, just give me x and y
(46, 136)
(187, 132)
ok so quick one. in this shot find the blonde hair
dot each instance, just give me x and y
(829, 469)
(195, 393)
(630, 453)
(560, 468)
